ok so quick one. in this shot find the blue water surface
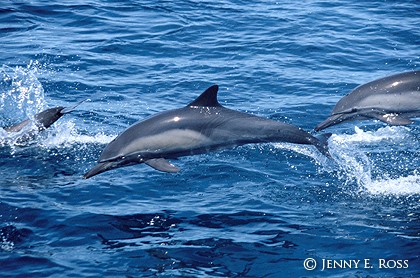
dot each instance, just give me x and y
(267, 210)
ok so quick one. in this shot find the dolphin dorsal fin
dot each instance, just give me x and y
(208, 98)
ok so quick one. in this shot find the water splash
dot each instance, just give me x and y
(21, 93)
(408, 185)
(371, 158)
(21, 97)
(388, 133)
(66, 135)
(375, 161)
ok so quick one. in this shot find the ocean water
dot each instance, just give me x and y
(266, 210)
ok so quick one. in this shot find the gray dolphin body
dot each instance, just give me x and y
(393, 100)
(200, 127)
(41, 121)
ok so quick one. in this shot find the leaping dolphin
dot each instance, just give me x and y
(393, 100)
(40, 122)
(202, 126)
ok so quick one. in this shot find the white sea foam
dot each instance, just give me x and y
(354, 163)
(408, 185)
(65, 134)
(394, 133)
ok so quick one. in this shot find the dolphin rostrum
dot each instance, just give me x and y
(202, 126)
(393, 100)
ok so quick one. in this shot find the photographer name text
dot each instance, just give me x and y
(327, 264)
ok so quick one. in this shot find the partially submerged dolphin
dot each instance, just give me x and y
(202, 126)
(393, 100)
(40, 122)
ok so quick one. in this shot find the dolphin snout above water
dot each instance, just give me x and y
(42, 121)
(393, 100)
(202, 126)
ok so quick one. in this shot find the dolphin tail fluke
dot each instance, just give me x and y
(71, 108)
(99, 168)
(321, 143)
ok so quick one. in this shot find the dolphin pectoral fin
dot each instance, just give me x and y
(392, 119)
(162, 164)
